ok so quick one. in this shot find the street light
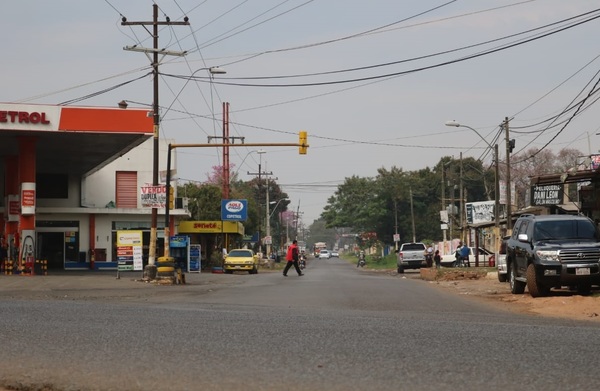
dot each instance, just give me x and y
(496, 181)
(269, 219)
(260, 153)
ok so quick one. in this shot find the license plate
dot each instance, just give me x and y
(238, 266)
(582, 271)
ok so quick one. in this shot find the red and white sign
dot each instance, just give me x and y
(14, 207)
(153, 196)
(28, 198)
(28, 117)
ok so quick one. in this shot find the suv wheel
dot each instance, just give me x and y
(534, 285)
(502, 277)
(516, 287)
(400, 269)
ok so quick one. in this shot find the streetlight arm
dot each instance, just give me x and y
(458, 125)
(276, 205)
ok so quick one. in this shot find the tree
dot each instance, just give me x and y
(204, 200)
(355, 204)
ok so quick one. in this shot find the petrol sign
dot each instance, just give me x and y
(234, 210)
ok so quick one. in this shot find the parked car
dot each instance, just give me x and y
(551, 251)
(324, 254)
(484, 256)
(501, 261)
(335, 254)
(241, 260)
(411, 256)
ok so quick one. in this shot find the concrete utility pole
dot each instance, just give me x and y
(508, 186)
(260, 173)
(412, 216)
(151, 268)
(461, 204)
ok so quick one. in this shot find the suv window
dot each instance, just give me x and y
(545, 230)
(413, 247)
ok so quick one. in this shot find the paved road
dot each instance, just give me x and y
(336, 328)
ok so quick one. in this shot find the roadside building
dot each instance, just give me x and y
(72, 178)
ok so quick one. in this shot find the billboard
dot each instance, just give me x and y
(547, 194)
(480, 212)
(234, 210)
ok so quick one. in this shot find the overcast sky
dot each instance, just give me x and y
(372, 82)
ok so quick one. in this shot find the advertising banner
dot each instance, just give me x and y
(547, 194)
(480, 212)
(129, 250)
(153, 196)
(234, 210)
(195, 262)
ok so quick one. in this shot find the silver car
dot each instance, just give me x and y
(501, 262)
(324, 254)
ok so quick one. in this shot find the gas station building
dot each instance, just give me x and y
(71, 178)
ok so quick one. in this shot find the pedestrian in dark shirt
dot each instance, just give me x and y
(437, 259)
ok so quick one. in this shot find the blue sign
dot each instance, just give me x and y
(179, 241)
(234, 210)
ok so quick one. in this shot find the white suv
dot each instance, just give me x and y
(324, 254)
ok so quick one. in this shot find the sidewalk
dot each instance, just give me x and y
(104, 285)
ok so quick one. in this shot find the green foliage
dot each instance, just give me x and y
(407, 203)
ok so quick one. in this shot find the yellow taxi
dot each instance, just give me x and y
(241, 260)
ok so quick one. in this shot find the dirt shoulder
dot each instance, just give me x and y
(486, 287)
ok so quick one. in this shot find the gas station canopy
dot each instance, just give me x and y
(72, 140)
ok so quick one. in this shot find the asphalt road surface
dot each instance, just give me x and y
(336, 328)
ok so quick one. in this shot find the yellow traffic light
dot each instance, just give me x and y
(302, 142)
(171, 197)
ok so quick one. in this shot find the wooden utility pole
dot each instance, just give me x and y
(151, 270)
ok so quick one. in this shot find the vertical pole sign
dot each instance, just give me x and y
(129, 250)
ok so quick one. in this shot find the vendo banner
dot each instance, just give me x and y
(153, 196)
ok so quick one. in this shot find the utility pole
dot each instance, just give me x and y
(412, 216)
(462, 202)
(396, 222)
(444, 203)
(151, 268)
(260, 173)
(508, 186)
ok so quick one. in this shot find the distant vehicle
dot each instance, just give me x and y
(411, 256)
(484, 256)
(553, 251)
(318, 247)
(501, 262)
(324, 254)
(241, 260)
(335, 254)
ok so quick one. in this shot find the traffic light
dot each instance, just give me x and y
(511, 145)
(171, 197)
(302, 142)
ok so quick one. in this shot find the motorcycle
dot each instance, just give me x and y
(429, 259)
(302, 262)
(361, 261)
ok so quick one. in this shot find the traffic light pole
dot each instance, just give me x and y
(302, 147)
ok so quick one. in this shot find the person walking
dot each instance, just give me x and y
(292, 259)
(437, 259)
(464, 255)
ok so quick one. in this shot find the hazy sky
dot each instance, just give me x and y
(372, 82)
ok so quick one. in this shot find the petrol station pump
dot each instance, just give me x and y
(20, 195)
(179, 249)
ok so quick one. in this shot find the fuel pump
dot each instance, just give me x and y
(27, 259)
